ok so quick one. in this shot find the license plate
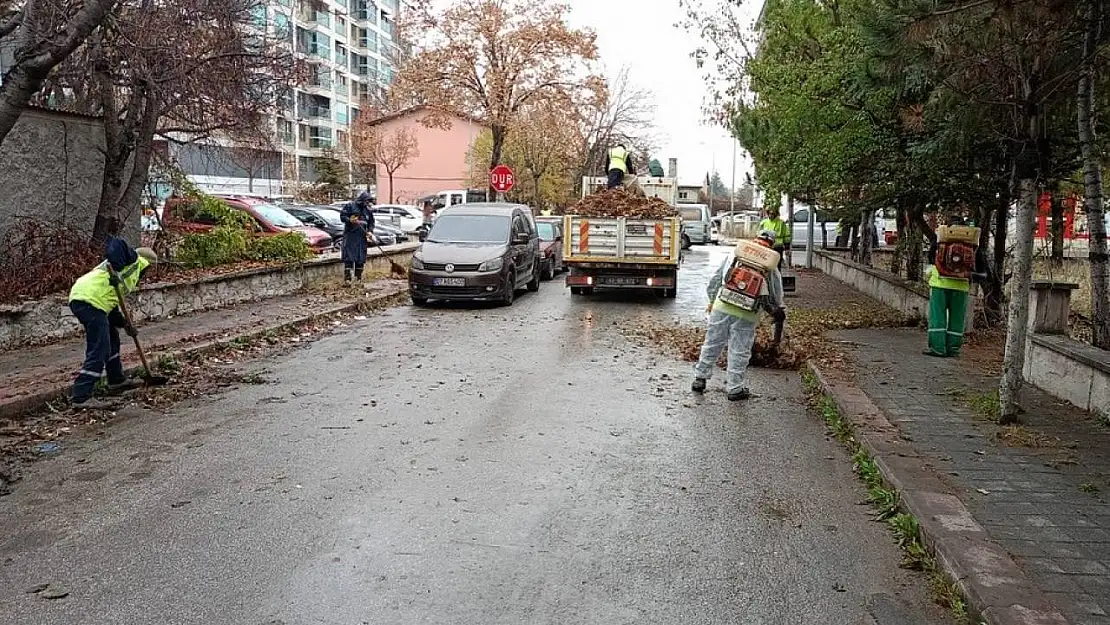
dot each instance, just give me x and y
(449, 281)
(621, 281)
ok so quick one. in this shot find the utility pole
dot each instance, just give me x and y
(732, 196)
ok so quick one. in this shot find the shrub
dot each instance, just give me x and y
(289, 247)
(222, 246)
(40, 258)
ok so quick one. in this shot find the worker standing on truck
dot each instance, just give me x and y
(737, 291)
(782, 231)
(95, 302)
(620, 165)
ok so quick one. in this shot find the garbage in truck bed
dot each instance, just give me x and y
(620, 203)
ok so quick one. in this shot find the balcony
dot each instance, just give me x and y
(320, 143)
(286, 138)
(342, 89)
(319, 113)
(317, 52)
(315, 18)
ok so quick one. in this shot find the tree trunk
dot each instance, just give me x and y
(900, 248)
(995, 289)
(498, 134)
(867, 234)
(1057, 210)
(1092, 182)
(789, 224)
(37, 53)
(1017, 323)
(389, 174)
(140, 166)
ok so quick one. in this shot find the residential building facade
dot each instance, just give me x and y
(440, 163)
(349, 52)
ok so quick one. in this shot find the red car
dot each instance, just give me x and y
(551, 246)
(269, 219)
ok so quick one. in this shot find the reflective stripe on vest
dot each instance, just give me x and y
(618, 159)
(94, 289)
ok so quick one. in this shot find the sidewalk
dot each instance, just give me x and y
(31, 376)
(1039, 490)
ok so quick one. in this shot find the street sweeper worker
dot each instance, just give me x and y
(748, 281)
(95, 303)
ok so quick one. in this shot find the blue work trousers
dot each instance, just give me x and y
(101, 348)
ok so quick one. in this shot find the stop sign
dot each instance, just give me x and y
(501, 179)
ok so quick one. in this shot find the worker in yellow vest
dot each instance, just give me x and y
(95, 302)
(782, 231)
(954, 261)
(620, 165)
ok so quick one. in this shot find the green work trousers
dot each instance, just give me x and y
(947, 316)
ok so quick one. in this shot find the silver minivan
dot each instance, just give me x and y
(697, 224)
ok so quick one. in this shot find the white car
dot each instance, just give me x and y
(405, 217)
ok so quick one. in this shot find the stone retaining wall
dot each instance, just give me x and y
(41, 321)
(911, 298)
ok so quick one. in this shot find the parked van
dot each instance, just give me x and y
(443, 199)
(697, 224)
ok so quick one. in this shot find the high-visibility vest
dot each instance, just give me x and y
(618, 159)
(94, 289)
(779, 227)
(938, 281)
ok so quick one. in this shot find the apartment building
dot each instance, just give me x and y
(349, 52)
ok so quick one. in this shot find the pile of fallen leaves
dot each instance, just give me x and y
(621, 203)
(803, 338)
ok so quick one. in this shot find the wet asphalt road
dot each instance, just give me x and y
(462, 466)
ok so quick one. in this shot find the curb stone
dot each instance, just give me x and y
(28, 403)
(996, 588)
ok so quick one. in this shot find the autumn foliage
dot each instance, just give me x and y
(496, 61)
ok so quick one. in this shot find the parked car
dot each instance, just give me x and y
(270, 219)
(444, 199)
(327, 219)
(697, 224)
(551, 247)
(407, 218)
(481, 251)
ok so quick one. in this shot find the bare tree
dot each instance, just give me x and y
(625, 116)
(489, 59)
(43, 33)
(372, 145)
(187, 71)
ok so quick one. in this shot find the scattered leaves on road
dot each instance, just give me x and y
(803, 339)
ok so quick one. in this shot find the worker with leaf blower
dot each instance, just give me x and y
(358, 226)
(95, 300)
(747, 282)
(955, 262)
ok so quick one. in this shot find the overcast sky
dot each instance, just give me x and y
(641, 35)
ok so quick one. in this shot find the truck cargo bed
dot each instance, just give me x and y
(622, 240)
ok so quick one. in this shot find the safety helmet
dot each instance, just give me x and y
(767, 235)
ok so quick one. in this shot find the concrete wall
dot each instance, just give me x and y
(47, 319)
(51, 168)
(877, 284)
(1070, 370)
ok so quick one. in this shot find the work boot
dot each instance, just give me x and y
(698, 386)
(93, 403)
(347, 275)
(739, 395)
(127, 385)
(930, 352)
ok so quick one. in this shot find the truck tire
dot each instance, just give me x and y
(686, 242)
(670, 293)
